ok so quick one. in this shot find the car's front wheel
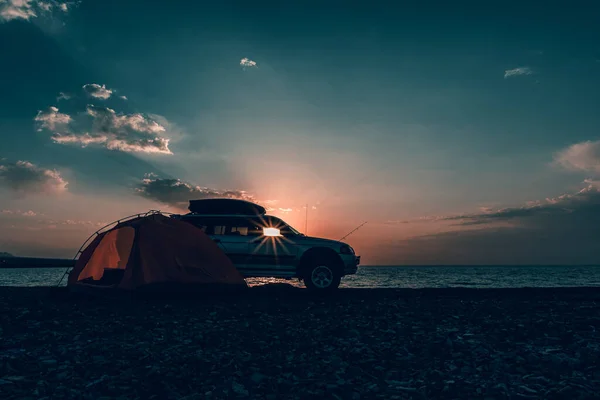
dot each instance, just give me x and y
(322, 276)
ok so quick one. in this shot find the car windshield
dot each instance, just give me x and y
(283, 226)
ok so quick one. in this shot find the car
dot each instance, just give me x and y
(261, 245)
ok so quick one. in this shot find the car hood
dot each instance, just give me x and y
(316, 241)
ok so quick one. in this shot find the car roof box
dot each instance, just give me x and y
(225, 206)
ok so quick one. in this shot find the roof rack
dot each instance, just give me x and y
(229, 206)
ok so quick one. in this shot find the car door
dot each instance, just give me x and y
(232, 238)
(230, 234)
(271, 255)
(238, 233)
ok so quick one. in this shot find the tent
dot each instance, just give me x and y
(153, 251)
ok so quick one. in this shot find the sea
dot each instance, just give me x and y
(389, 277)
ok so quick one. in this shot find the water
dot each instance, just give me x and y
(392, 277)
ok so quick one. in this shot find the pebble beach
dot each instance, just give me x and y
(282, 342)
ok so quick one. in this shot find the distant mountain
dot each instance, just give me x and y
(4, 254)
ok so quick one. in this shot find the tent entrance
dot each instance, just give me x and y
(106, 266)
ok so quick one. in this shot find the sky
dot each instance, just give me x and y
(462, 133)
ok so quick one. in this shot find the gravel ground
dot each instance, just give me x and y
(279, 342)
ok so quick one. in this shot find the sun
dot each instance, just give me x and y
(271, 232)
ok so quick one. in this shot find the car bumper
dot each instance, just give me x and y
(351, 264)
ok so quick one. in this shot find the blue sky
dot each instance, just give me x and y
(408, 117)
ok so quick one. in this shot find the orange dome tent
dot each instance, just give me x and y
(153, 251)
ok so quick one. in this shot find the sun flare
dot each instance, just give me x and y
(271, 232)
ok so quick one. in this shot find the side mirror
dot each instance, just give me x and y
(271, 232)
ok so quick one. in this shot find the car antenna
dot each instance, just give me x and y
(353, 230)
(306, 221)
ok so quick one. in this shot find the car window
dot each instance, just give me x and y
(219, 229)
(239, 226)
(244, 227)
(238, 231)
(211, 226)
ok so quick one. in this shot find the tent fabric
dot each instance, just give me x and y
(111, 253)
(150, 251)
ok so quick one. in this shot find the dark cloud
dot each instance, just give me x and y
(561, 230)
(24, 177)
(177, 193)
(582, 201)
(550, 244)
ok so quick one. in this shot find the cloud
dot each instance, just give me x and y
(76, 222)
(583, 156)
(19, 213)
(559, 230)
(17, 9)
(45, 6)
(32, 221)
(285, 210)
(177, 193)
(582, 201)
(517, 72)
(109, 120)
(128, 132)
(563, 230)
(25, 177)
(247, 63)
(63, 96)
(84, 140)
(123, 97)
(501, 246)
(52, 120)
(431, 218)
(97, 91)
(136, 133)
(27, 9)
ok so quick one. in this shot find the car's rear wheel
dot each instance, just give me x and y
(322, 276)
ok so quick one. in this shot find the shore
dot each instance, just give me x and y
(35, 262)
(279, 342)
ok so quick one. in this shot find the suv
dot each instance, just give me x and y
(261, 245)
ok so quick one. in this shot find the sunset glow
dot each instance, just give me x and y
(454, 150)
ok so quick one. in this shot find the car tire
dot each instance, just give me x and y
(322, 276)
